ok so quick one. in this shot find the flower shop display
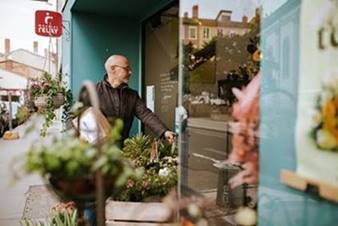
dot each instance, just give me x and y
(48, 94)
(324, 131)
(139, 201)
(69, 165)
(159, 161)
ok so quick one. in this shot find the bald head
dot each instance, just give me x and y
(118, 69)
(115, 60)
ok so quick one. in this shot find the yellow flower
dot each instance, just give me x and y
(326, 140)
(329, 116)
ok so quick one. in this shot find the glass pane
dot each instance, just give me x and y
(220, 51)
(161, 79)
(283, 26)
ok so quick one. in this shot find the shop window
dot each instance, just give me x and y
(211, 71)
(160, 80)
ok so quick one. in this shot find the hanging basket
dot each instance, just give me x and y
(58, 100)
(41, 101)
(81, 190)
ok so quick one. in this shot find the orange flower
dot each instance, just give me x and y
(329, 116)
(186, 222)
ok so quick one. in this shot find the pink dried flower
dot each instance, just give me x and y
(245, 133)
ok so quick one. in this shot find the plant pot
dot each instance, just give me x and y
(81, 190)
(58, 100)
(41, 101)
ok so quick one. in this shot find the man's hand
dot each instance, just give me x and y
(169, 136)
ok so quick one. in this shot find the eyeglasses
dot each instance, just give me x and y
(128, 68)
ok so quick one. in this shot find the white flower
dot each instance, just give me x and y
(326, 140)
(202, 222)
(194, 210)
(90, 152)
(163, 172)
(245, 216)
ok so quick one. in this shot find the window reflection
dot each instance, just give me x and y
(222, 54)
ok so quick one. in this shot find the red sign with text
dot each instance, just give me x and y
(48, 23)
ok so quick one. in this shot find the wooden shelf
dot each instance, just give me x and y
(322, 189)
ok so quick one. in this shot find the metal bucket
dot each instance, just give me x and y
(227, 197)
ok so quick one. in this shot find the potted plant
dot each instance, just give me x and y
(48, 94)
(69, 165)
(144, 194)
(62, 214)
(158, 160)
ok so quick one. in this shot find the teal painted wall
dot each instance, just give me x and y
(94, 39)
(280, 205)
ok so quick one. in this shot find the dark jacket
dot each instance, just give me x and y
(125, 103)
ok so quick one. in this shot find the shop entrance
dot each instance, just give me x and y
(160, 60)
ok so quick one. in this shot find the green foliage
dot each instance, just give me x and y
(22, 114)
(150, 185)
(70, 157)
(160, 174)
(66, 156)
(67, 105)
(64, 218)
(46, 86)
(222, 56)
(50, 88)
(137, 149)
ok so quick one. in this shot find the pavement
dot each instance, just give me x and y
(13, 197)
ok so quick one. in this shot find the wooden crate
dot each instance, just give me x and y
(137, 213)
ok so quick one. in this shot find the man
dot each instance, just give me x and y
(117, 100)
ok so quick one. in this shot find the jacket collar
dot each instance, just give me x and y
(106, 82)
